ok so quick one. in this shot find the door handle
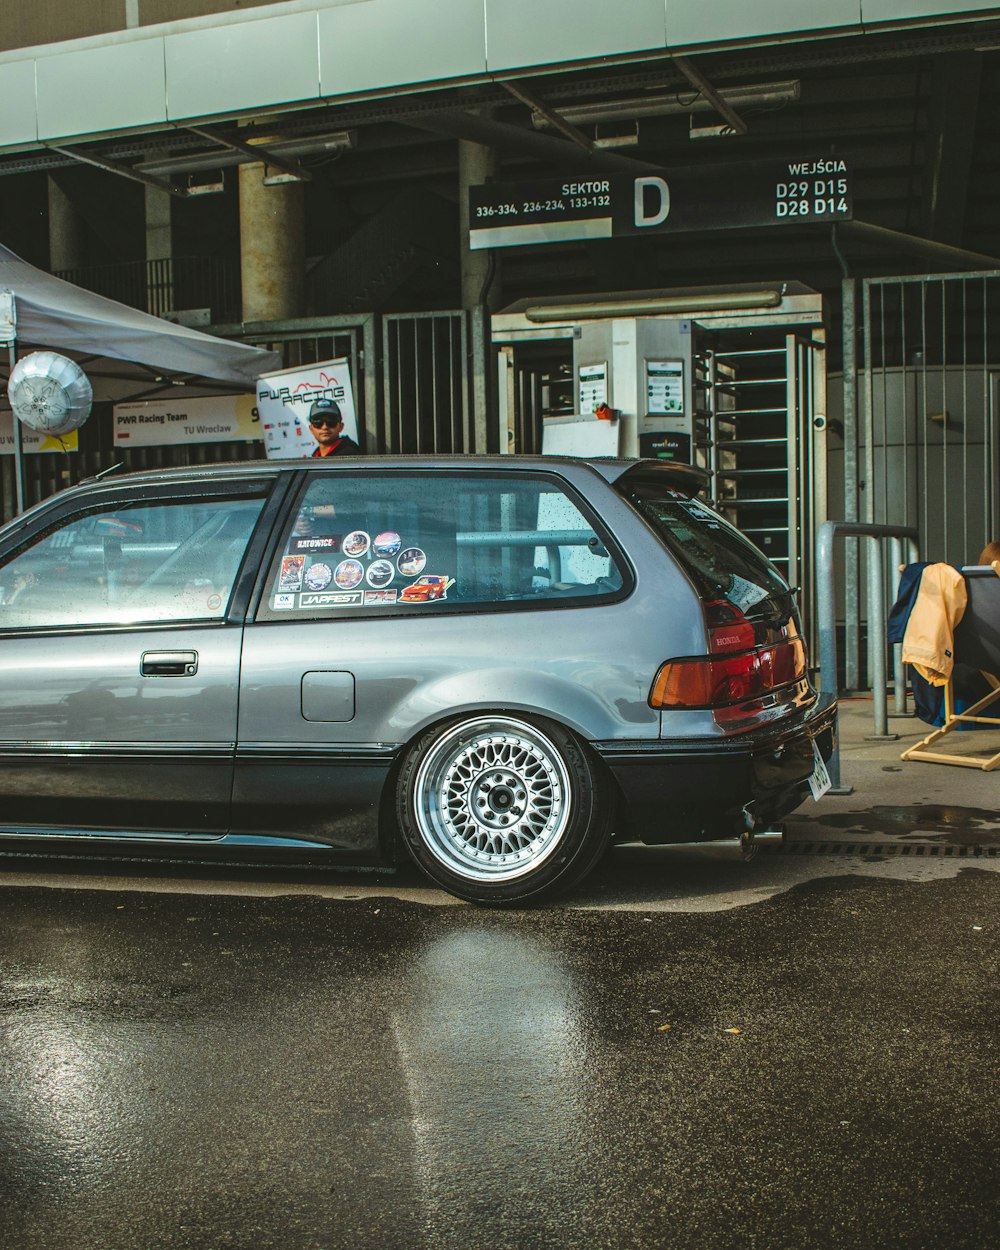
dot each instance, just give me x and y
(168, 663)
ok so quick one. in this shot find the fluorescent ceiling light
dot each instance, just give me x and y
(218, 157)
(665, 305)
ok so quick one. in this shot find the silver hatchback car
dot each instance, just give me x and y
(498, 663)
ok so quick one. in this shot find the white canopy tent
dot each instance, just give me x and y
(126, 354)
(55, 314)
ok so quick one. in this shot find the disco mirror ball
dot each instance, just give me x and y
(50, 393)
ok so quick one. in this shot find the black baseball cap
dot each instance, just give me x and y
(326, 408)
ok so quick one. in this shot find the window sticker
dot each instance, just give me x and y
(318, 576)
(349, 573)
(429, 589)
(411, 561)
(380, 598)
(743, 594)
(356, 543)
(380, 573)
(316, 542)
(283, 602)
(330, 599)
(386, 544)
(290, 577)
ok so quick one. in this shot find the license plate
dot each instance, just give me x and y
(820, 781)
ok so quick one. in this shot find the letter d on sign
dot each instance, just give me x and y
(663, 195)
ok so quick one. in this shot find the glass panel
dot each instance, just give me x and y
(141, 563)
(398, 541)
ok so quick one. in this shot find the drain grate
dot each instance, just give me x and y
(936, 850)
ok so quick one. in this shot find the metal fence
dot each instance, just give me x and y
(434, 382)
(166, 285)
(921, 367)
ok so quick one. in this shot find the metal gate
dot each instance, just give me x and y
(921, 369)
(434, 378)
(764, 439)
(927, 401)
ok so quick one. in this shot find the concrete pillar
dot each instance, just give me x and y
(476, 164)
(272, 247)
(159, 235)
(159, 253)
(67, 233)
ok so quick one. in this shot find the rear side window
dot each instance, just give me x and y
(722, 562)
(385, 543)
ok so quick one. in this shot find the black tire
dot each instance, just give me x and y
(503, 809)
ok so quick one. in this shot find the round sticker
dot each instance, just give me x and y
(349, 573)
(386, 544)
(380, 573)
(319, 576)
(411, 561)
(356, 543)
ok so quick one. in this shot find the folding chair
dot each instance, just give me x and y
(977, 645)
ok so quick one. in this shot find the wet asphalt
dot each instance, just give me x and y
(227, 1068)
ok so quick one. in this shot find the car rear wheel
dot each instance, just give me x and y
(502, 809)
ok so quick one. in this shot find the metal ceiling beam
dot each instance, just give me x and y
(460, 125)
(257, 152)
(554, 119)
(123, 171)
(913, 245)
(698, 80)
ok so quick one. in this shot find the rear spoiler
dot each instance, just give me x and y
(683, 477)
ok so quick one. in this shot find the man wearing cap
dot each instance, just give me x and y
(327, 427)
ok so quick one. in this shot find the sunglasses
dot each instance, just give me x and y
(325, 422)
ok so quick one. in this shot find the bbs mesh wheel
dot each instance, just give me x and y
(502, 809)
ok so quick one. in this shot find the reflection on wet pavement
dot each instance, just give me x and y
(183, 1071)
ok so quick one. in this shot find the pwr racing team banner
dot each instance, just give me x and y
(168, 422)
(707, 197)
(284, 400)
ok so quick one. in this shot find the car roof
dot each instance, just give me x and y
(611, 468)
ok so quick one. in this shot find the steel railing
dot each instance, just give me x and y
(826, 612)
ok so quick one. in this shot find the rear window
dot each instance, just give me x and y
(721, 561)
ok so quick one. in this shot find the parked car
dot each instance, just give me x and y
(252, 659)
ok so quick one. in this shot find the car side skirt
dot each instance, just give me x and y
(320, 794)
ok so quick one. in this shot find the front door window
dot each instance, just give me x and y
(133, 564)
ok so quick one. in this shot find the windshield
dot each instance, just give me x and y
(721, 561)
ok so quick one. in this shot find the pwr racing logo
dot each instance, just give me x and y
(305, 393)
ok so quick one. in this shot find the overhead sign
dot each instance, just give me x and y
(169, 422)
(33, 441)
(707, 197)
(284, 400)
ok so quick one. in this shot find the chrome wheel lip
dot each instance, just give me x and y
(491, 799)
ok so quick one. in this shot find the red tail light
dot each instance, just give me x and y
(721, 680)
(728, 629)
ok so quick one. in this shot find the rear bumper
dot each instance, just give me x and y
(685, 789)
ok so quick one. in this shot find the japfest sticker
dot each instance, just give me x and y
(336, 599)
